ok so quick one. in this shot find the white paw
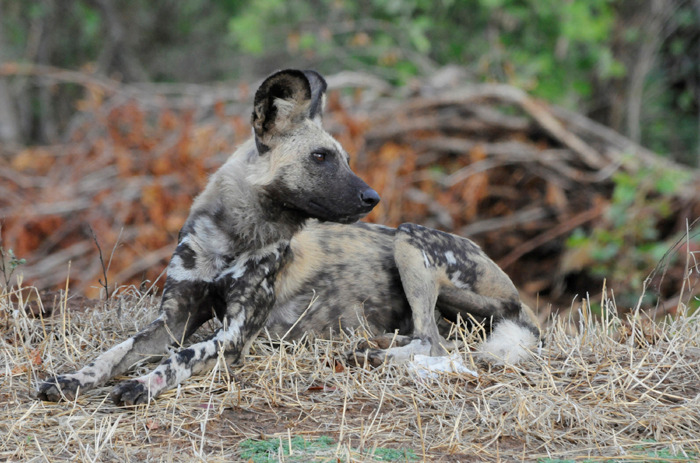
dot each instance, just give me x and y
(425, 366)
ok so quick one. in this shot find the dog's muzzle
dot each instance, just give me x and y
(369, 199)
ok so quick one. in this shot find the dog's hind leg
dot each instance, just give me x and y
(421, 281)
(452, 274)
(183, 310)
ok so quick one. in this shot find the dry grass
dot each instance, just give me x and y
(599, 390)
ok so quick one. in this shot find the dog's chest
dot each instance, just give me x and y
(339, 276)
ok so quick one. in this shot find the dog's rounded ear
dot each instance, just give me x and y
(284, 98)
(277, 102)
(318, 94)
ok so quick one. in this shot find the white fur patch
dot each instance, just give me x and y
(178, 272)
(206, 231)
(236, 270)
(102, 366)
(449, 255)
(233, 330)
(209, 244)
(508, 343)
(456, 280)
(425, 260)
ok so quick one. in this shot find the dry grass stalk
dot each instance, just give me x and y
(588, 395)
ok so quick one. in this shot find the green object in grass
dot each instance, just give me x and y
(321, 449)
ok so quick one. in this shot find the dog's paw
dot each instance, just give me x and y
(373, 352)
(130, 393)
(366, 357)
(58, 388)
(425, 366)
(387, 341)
(386, 348)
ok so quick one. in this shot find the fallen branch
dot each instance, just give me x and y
(561, 229)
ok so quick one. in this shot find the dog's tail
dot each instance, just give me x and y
(511, 340)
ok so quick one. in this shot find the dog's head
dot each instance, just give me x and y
(300, 165)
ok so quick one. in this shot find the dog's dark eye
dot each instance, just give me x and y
(318, 156)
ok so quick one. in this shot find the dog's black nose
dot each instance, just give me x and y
(369, 197)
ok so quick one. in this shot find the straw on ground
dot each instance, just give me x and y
(601, 388)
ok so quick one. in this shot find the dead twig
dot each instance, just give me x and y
(105, 283)
(543, 238)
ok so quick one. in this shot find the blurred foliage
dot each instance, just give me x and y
(8, 264)
(577, 53)
(627, 245)
(552, 48)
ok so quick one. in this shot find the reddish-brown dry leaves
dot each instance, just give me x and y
(130, 170)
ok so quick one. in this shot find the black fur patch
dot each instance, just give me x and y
(437, 245)
(52, 388)
(261, 147)
(188, 256)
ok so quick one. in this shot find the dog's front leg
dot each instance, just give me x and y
(180, 315)
(198, 358)
(249, 295)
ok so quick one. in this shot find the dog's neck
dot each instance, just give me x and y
(261, 221)
(249, 217)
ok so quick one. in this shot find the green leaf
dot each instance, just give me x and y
(307, 41)
(418, 38)
(385, 454)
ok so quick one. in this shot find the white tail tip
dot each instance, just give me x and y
(509, 342)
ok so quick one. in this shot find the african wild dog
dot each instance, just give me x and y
(276, 225)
